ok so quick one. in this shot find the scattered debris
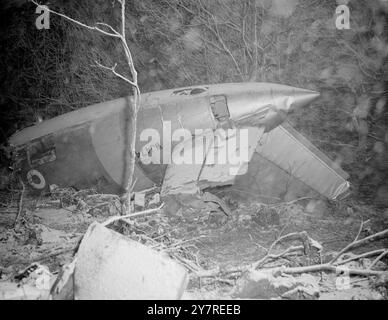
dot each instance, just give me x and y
(139, 199)
(13, 291)
(110, 266)
(155, 200)
(36, 275)
(194, 234)
(33, 283)
(63, 287)
(263, 284)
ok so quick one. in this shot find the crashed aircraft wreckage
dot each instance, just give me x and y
(188, 139)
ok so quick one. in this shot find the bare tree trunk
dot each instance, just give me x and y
(133, 104)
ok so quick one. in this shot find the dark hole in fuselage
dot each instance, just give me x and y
(197, 91)
(35, 179)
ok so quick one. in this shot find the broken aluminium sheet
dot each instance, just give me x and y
(212, 168)
(285, 154)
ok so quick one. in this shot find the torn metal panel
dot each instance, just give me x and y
(217, 172)
(209, 170)
(182, 178)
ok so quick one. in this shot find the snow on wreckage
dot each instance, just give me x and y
(188, 139)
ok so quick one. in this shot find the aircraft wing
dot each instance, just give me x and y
(292, 152)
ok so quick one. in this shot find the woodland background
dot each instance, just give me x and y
(178, 43)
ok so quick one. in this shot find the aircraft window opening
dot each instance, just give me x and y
(219, 108)
(189, 91)
(197, 91)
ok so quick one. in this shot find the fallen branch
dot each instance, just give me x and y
(326, 267)
(103, 195)
(329, 268)
(363, 223)
(132, 215)
(360, 256)
(382, 255)
(267, 257)
(358, 243)
(301, 236)
(113, 69)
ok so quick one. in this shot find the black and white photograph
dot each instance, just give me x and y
(216, 152)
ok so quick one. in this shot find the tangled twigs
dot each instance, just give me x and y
(179, 243)
(113, 69)
(189, 264)
(330, 267)
(288, 251)
(132, 215)
(325, 267)
(360, 256)
(358, 243)
(301, 236)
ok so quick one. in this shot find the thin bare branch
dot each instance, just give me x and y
(329, 268)
(360, 256)
(361, 228)
(113, 69)
(219, 37)
(301, 236)
(284, 253)
(358, 243)
(382, 255)
(129, 154)
(132, 215)
(111, 34)
(109, 27)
